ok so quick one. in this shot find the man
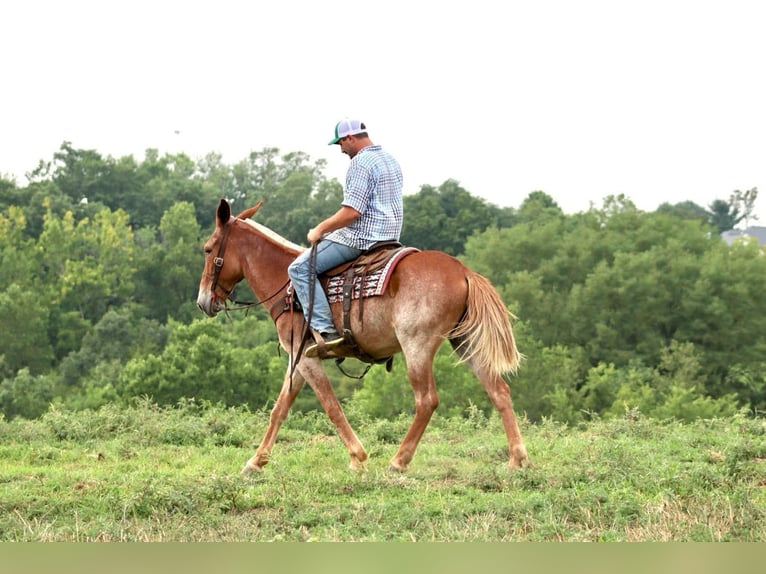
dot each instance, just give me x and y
(371, 211)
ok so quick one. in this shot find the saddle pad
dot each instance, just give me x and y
(374, 284)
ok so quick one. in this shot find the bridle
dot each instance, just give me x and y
(240, 305)
(218, 266)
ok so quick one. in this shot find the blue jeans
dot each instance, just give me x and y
(329, 255)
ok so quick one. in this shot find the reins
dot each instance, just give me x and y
(243, 305)
(294, 360)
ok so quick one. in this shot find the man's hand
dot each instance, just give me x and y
(341, 218)
(313, 236)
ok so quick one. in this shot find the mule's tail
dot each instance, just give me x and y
(484, 334)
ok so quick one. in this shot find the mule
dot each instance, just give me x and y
(431, 296)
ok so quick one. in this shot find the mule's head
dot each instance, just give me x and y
(223, 268)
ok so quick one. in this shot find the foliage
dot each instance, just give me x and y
(724, 215)
(665, 393)
(443, 218)
(744, 202)
(206, 360)
(619, 309)
(685, 210)
(27, 395)
(24, 342)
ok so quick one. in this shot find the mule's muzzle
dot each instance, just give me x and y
(209, 304)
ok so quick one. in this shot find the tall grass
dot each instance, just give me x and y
(149, 474)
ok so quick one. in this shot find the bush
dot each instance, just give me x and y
(206, 361)
(26, 395)
(674, 390)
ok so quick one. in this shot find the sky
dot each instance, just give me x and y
(659, 100)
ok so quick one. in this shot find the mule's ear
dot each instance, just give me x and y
(249, 212)
(224, 212)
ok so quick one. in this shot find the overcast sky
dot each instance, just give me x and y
(660, 100)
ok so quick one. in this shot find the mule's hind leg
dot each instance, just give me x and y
(421, 376)
(500, 394)
(282, 406)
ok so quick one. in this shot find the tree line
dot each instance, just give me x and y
(618, 309)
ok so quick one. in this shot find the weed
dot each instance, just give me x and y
(142, 473)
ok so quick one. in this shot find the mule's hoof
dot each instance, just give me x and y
(393, 468)
(519, 458)
(515, 465)
(249, 468)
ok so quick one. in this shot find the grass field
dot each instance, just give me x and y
(149, 474)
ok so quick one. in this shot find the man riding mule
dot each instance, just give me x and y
(423, 298)
(431, 297)
(371, 212)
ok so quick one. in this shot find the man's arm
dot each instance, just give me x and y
(341, 218)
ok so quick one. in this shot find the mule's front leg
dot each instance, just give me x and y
(314, 373)
(285, 400)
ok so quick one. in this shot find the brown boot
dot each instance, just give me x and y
(326, 342)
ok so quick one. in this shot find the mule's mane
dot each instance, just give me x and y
(273, 236)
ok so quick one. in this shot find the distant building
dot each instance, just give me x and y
(758, 232)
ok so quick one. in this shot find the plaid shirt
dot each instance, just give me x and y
(374, 188)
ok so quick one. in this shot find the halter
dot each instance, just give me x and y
(218, 265)
(218, 262)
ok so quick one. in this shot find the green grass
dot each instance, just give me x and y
(150, 474)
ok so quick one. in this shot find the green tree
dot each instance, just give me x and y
(673, 389)
(88, 376)
(207, 360)
(24, 314)
(538, 206)
(24, 341)
(43, 199)
(295, 193)
(87, 266)
(744, 202)
(443, 218)
(725, 311)
(182, 259)
(170, 179)
(118, 336)
(632, 308)
(724, 215)
(685, 210)
(18, 261)
(549, 378)
(10, 193)
(80, 174)
(98, 272)
(26, 395)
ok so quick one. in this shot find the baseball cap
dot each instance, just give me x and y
(347, 127)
